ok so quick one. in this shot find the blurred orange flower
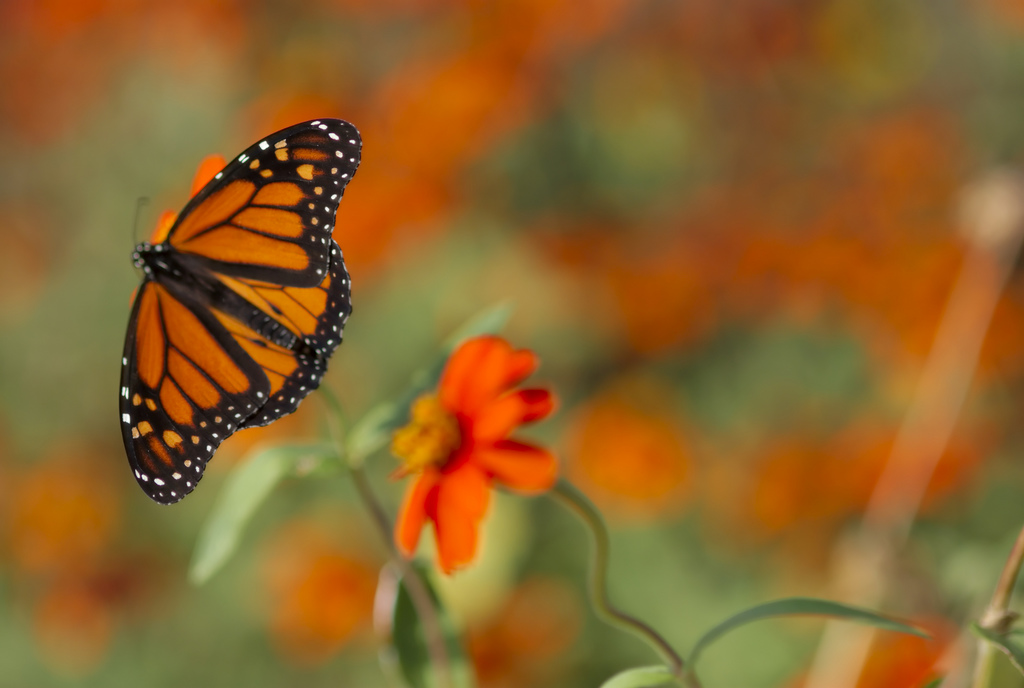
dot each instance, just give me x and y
(321, 593)
(898, 660)
(906, 661)
(208, 167)
(1009, 13)
(65, 511)
(629, 452)
(457, 445)
(799, 489)
(26, 261)
(522, 645)
(73, 627)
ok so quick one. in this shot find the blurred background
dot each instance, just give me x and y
(729, 231)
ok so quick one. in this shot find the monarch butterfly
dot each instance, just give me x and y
(242, 302)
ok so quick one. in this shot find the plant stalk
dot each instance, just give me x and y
(997, 616)
(992, 223)
(578, 503)
(418, 594)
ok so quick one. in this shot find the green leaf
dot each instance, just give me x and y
(640, 677)
(243, 491)
(408, 639)
(800, 606)
(490, 320)
(374, 430)
(936, 682)
(1004, 644)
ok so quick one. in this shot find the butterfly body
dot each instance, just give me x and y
(243, 301)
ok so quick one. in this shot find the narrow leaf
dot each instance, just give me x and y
(488, 321)
(371, 432)
(640, 677)
(800, 606)
(409, 642)
(244, 490)
(936, 682)
(1004, 644)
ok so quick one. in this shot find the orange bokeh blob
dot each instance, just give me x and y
(629, 452)
(897, 660)
(73, 627)
(320, 593)
(65, 512)
(800, 489)
(522, 643)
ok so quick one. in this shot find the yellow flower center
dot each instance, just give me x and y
(429, 439)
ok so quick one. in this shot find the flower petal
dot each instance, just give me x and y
(519, 465)
(462, 500)
(413, 513)
(498, 418)
(480, 370)
(163, 226)
(208, 168)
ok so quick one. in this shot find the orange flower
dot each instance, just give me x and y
(320, 591)
(628, 451)
(457, 445)
(208, 168)
(65, 512)
(526, 643)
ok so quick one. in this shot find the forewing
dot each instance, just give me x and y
(186, 385)
(315, 315)
(269, 214)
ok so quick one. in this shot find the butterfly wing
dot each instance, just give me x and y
(316, 316)
(250, 301)
(269, 214)
(186, 385)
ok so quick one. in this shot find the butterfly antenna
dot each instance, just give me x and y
(140, 202)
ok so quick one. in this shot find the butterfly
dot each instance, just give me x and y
(243, 301)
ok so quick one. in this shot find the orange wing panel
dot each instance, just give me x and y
(309, 154)
(157, 447)
(276, 382)
(289, 308)
(195, 384)
(233, 245)
(279, 193)
(275, 221)
(270, 357)
(149, 338)
(175, 405)
(216, 209)
(191, 338)
(314, 300)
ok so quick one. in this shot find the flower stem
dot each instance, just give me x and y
(997, 616)
(418, 593)
(578, 503)
(992, 222)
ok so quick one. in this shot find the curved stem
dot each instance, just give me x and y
(578, 503)
(997, 616)
(418, 593)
